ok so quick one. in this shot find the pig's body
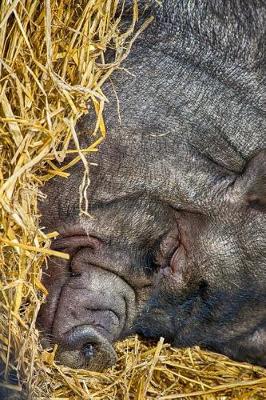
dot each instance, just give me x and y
(179, 212)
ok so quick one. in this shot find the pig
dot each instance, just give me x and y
(175, 243)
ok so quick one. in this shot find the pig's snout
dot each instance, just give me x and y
(84, 347)
(92, 303)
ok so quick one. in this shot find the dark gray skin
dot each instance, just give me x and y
(177, 244)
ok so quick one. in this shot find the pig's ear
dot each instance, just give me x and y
(253, 181)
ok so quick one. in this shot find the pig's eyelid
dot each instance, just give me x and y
(256, 206)
(74, 274)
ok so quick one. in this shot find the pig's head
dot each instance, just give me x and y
(195, 278)
(178, 199)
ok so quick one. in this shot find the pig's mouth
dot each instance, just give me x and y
(89, 305)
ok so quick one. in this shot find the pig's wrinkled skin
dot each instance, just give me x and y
(178, 235)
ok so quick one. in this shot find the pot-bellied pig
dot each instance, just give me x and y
(176, 246)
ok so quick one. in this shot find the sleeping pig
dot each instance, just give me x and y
(176, 245)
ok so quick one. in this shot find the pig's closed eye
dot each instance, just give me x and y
(150, 261)
(74, 274)
(257, 205)
(145, 261)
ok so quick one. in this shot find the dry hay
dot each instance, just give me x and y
(52, 65)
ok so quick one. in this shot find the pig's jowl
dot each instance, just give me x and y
(177, 243)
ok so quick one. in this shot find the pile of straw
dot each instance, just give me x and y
(52, 68)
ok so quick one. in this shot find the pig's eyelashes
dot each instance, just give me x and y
(147, 261)
(151, 263)
(74, 274)
(257, 205)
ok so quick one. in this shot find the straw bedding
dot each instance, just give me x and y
(52, 68)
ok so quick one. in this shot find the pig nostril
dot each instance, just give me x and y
(88, 351)
(84, 347)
